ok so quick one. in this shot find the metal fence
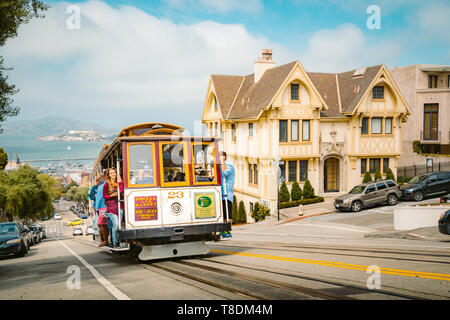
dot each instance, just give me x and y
(416, 169)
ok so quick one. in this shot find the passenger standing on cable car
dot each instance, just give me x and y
(227, 176)
(93, 193)
(100, 209)
(111, 189)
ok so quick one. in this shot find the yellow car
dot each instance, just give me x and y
(75, 222)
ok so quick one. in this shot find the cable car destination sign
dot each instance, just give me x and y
(145, 208)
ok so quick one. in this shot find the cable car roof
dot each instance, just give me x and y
(151, 128)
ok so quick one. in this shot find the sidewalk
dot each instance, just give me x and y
(310, 210)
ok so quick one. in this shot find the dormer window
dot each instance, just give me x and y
(378, 92)
(295, 92)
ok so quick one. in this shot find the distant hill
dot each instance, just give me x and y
(51, 126)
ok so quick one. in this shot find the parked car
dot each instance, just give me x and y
(445, 199)
(56, 201)
(83, 216)
(75, 222)
(72, 208)
(425, 185)
(36, 234)
(77, 231)
(13, 239)
(44, 218)
(30, 236)
(40, 229)
(57, 216)
(369, 194)
(444, 223)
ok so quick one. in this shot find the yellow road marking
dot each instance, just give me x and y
(408, 273)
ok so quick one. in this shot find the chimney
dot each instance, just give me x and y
(263, 64)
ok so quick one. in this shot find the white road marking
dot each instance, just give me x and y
(291, 235)
(119, 295)
(332, 227)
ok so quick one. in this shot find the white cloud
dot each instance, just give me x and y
(345, 48)
(125, 59)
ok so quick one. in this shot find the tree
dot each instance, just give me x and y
(296, 192)
(3, 159)
(13, 13)
(284, 193)
(242, 215)
(254, 213)
(367, 177)
(234, 210)
(25, 194)
(70, 185)
(390, 174)
(308, 190)
(378, 176)
(260, 212)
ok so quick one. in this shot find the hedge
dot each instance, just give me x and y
(290, 204)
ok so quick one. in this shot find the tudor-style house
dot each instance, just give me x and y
(328, 128)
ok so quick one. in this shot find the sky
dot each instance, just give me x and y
(122, 62)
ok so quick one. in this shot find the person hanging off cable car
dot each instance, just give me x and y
(112, 187)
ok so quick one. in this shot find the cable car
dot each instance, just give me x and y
(172, 191)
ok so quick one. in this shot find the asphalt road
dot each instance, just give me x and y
(301, 260)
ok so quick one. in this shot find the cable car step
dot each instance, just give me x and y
(173, 250)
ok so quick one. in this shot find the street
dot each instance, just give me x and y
(315, 258)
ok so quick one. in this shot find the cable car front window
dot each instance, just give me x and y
(203, 156)
(173, 163)
(140, 164)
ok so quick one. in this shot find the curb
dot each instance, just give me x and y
(303, 217)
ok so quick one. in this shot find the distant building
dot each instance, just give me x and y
(12, 165)
(426, 88)
(84, 178)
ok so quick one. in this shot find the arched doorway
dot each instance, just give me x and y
(331, 175)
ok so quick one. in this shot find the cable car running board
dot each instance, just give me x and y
(173, 250)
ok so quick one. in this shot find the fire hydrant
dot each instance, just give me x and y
(300, 210)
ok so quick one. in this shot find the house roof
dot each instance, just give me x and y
(240, 98)
(226, 89)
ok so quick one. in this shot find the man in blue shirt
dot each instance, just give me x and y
(227, 176)
(93, 193)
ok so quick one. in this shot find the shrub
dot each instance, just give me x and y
(378, 176)
(284, 193)
(234, 210)
(302, 202)
(260, 212)
(242, 215)
(296, 192)
(367, 177)
(308, 190)
(390, 174)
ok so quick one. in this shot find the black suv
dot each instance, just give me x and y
(430, 184)
(13, 239)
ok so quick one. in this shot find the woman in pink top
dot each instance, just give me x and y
(112, 187)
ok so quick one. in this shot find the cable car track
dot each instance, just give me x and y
(196, 263)
(304, 249)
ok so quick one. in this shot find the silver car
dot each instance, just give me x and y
(369, 194)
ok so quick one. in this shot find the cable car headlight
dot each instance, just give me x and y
(176, 208)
